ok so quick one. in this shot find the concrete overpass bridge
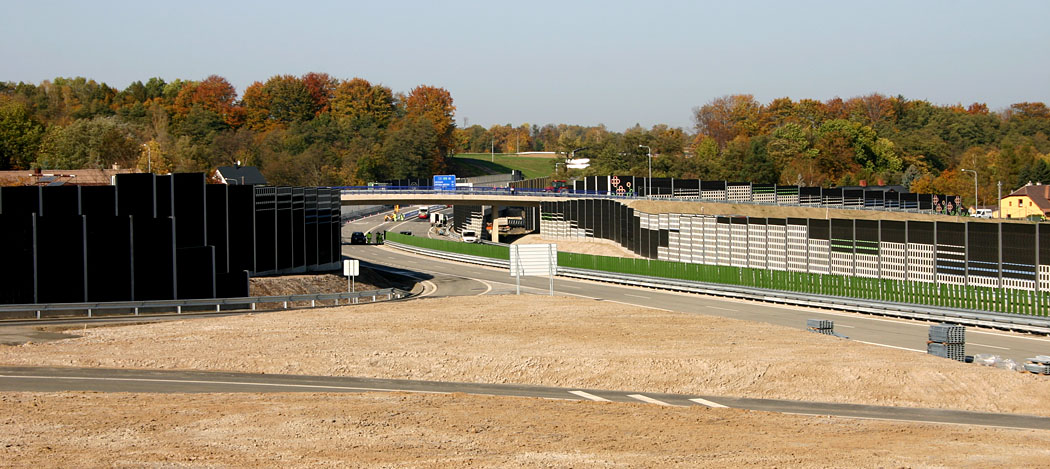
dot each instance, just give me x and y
(489, 197)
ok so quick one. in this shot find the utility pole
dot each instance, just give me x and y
(492, 150)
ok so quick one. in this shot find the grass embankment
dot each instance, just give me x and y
(479, 164)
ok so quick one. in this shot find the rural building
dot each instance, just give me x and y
(1030, 200)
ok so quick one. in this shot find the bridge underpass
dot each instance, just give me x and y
(495, 202)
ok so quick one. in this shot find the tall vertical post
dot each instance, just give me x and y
(1000, 201)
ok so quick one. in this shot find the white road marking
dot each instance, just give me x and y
(647, 399)
(989, 346)
(723, 309)
(847, 327)
(891, 346)
(623, 303)
(637, 296)
(428, 291)
(707, 403)
(569, 286)
(488, 287)
(1040, 339)
(587, 395)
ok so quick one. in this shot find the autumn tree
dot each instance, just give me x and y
(434, 105)
(362, 104)
(215, 95)
(725, 118)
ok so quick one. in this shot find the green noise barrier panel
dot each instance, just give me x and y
(1000, 300)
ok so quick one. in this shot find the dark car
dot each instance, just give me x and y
(408, 233)
(358, 237)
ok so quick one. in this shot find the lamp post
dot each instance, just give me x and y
(649, 181)
(999, 201)
(149, 158)
(975, 204)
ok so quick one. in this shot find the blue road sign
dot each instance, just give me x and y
(445, 183)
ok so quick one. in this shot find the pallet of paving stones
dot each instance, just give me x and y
(820, 324)
(1037, 368)
(951, 351)
(1040, 364)
(948, 333)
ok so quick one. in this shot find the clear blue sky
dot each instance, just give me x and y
(612, 62)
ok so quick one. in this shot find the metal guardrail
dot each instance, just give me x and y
(178, 305)
(1038, 325)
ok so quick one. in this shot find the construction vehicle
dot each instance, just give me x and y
(557, 185)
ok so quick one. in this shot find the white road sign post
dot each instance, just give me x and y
(351, 269)
(533, 260)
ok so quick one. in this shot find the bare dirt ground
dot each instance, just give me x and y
(314, 283)
(424, 431)
(502, 339)
(594, 246)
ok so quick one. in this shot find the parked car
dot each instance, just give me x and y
(983, 213)
(358, 237)
(469, 237)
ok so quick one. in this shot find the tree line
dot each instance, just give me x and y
(306, 130)
(318, 130)
(872, 139)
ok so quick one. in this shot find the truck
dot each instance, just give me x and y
(424, 213)
(438, 219)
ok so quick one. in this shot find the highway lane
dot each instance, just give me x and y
(46, 379)
(436, 284)
(888, 332)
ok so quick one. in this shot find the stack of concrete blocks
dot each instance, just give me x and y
(1038, 365)
(948, 341)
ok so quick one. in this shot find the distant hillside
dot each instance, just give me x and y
(479, 164)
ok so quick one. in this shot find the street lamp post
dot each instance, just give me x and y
(649, 181)
(149, 158)
(975, 202)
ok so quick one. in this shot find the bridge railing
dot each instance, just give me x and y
(502, 191)
(590, 194)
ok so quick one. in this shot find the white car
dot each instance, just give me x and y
(983, 213)
(469, 237)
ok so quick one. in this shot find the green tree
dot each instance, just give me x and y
(408, 150)
(20, 135)
(89, 143)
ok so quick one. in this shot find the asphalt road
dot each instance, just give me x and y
(882, 331)
(42, 379)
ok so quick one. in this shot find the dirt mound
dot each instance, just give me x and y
(319, 283)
